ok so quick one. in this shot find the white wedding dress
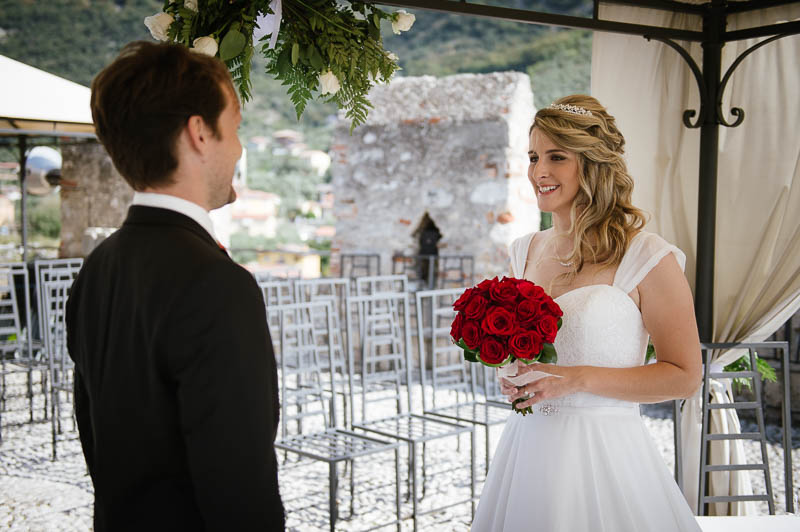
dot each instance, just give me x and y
(585, 462)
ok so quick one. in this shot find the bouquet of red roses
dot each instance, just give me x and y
(498, 322)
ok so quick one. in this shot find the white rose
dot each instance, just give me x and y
(393, 57)
(205, 45)
(402, 21)
(158, 24)
(190, 4)
(329, 83)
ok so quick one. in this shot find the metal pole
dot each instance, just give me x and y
(713, 28)
(23, 146)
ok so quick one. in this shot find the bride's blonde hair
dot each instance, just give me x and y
(603, 219)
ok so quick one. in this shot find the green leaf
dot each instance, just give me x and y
(295, 53)
(374, 32)
(316, 59)
(500, 365)
(232, 44)
(470, 356)
(651, 352)
(560, 322)
(767, 372)
(548, 354)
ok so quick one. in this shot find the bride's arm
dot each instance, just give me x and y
(668, 314)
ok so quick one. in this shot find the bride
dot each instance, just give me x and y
(584, 460)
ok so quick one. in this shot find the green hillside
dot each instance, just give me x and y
(76, 38)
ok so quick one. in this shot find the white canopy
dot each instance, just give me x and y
(647, 87)
(34, 102)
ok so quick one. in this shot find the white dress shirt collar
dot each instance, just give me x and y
(174, 203)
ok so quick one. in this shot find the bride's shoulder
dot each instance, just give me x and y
(647, 243)
(645, 250)
(523, 244)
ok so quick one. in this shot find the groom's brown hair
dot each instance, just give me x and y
(143, 100)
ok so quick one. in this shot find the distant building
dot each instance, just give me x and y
(319, 161)
(291, 260)
(6, 214)
(439, 166)
(255, 212)
(258, 143)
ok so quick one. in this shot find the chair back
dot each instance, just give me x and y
(335, 290)
(378, 341)
(10, 331)
(300, 342)
(378, 284)
(277, 292)
(52, 270)
(55, 294)
(449, 371)
(355, 264)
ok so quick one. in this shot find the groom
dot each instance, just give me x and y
(176, 392)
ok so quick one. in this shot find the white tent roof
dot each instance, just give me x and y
(34, 102)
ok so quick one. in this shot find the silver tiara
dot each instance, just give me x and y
(574, 109)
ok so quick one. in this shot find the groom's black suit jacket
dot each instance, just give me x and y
(176, 390)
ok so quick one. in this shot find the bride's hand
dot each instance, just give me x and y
(566, 380)
(506, 388)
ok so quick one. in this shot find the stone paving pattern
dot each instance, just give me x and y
(39, 494)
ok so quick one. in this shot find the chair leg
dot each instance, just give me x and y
(332, 487)
(486, 471)
(30, 390)
(45, 374)
(413, 474)
(409, 488)
(397, 487)
(53, 424)
(424, 471)
(352, 488)
(3, 384)
(472, 471)
(57, 404)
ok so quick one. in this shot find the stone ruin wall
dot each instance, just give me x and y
(454, 148)
(93, 195)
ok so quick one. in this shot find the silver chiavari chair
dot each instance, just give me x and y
(385, 358)
(304, 406)
(453, 380)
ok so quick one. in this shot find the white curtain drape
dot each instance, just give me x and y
(647, 86)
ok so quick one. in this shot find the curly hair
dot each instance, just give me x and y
(603, 219)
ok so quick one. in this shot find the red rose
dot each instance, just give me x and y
(531, 291)
(458, 324)
(505, 292)
(499, 321)
(472, 334)
(552, 308)
(547, 326)
(485, 286)
(476, 308)
(526, 345)
(462, 301)
(527, 312)
(492, 351)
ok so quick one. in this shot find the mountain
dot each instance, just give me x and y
(76, 38)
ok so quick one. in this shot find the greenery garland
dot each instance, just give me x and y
(325, 48)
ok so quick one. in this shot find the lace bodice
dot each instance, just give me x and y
(602, 324)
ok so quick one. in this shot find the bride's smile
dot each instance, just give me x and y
(553, 172)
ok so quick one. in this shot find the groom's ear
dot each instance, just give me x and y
(197, 134)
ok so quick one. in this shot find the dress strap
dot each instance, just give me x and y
(518, 252)
(644, 252)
